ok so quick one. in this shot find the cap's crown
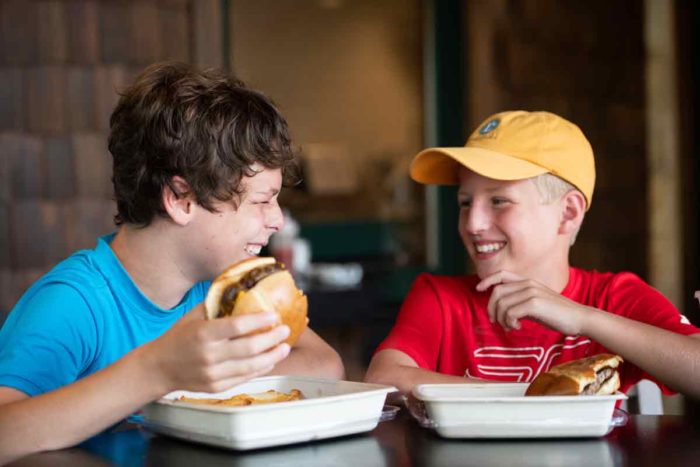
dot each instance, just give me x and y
(515, 145)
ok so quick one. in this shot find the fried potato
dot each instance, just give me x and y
(267, 397)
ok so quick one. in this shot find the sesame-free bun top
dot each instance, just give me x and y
(276, 292)
(571, 378)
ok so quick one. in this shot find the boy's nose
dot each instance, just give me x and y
(274, 218)
(477, 220)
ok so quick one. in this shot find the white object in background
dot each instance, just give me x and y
(339, 275)
(301, 256)
(648, 397)
(500, 410)
(330, 408)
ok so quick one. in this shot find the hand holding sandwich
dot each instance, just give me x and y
(254, 314)
(214, 355)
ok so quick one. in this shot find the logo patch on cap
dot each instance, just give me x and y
(489, 127)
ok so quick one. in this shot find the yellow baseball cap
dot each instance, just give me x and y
(514, 145)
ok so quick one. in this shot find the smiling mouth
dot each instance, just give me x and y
(492, 247)
(253, 250)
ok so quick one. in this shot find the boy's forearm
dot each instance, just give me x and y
(311, 356)
(71, 414)
(404, 378)
(672, 358)
(309, 361)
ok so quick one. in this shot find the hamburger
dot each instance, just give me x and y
(596, 375)
(255, 285)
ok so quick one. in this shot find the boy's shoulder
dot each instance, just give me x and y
(81, 272)
(597, 287)
(82, 268)
(602, 278)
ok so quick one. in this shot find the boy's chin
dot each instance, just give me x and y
(484, 272)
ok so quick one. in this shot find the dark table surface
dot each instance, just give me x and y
(645, 441)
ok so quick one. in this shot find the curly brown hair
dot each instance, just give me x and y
(203, 126)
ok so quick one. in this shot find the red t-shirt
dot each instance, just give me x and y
(444, 326)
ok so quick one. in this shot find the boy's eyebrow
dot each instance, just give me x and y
(488, 190)
(272, 191)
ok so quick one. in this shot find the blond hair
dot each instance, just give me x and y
(551, 188)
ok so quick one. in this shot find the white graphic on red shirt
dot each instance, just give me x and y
(494, 361)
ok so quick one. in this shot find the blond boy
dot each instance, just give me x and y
(525, 182)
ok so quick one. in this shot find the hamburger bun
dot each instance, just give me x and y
(236, 291)
(597, 375)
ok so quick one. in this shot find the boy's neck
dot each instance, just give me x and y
(153, 262)
(557, 278)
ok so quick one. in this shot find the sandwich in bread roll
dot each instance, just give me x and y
(255, 285)
(587, 376)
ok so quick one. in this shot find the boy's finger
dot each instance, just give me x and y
(244, 347)
(247, 366)
(228, 383)
(500, 277)
(488, 281)
(511, 308)
(513, 323)
(230, 327)
(499, 294)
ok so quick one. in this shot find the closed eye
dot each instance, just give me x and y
(497, 201)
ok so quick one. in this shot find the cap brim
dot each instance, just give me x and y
(440, 166)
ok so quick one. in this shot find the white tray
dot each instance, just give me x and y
(331, 408)
(500, 410)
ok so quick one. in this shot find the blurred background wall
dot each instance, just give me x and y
(365, 85)
(61, 66)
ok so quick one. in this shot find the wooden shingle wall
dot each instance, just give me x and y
(586, 62)
(61, 66)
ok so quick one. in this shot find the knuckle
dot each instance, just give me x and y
(207, 360)
(201, 334)
(209, 376)
(238, 327)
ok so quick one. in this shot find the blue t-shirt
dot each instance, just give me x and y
(80, 317)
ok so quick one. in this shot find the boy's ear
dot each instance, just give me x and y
(573, 210)
(177, 200)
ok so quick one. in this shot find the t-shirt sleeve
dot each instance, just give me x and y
(632, 298)
(418, 328)
(47, 341)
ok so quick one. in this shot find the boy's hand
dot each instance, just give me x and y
(514, 298)
(213, 355)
